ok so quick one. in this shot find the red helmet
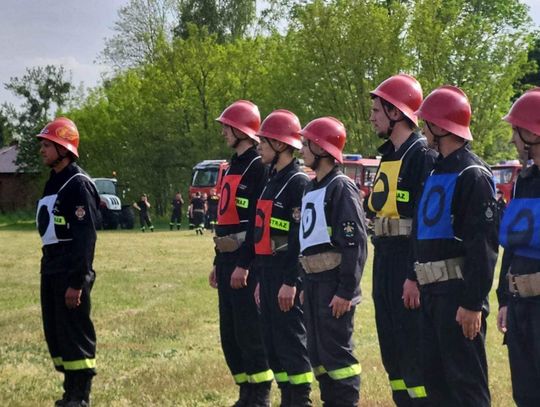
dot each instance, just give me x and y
(283, 126)
(62, 131)
(244, 116)
(448, 108)
(404, 92)
(328, 133)
(525, 112)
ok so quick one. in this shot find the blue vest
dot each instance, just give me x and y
(435, 209)
(520, 227)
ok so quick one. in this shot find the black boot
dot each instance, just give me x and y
(82, 384)
(244, 395)
(67, 385)
(260, 396)
(300, 395)
(285, 389)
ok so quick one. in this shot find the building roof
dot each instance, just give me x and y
(8, 156)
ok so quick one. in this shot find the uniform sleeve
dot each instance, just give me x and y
(81, 215)
(503, 292)
(349, 236)
(477, 220)
(257, 180)
(291, 263)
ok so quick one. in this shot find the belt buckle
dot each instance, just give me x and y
(514, 284)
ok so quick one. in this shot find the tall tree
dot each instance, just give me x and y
(141, 26)
(44, 91)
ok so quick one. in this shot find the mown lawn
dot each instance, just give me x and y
(157, 326)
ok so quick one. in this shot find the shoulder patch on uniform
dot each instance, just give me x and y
(80, 213)
(490, 211)
(296, 214)
(349, 228)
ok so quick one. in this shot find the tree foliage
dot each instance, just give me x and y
(151, 123)
(44, 90)
(141, 26)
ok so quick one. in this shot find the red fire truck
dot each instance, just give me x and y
(505, 174)
(207, 175)
(361, 170)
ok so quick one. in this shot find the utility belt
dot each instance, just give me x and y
(317, 263)
(57, 249)
(392, 227)
(524, 285)
(198, 210)
(439, 271)
(229, 243)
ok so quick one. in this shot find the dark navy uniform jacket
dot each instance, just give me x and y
(249, 190)
(457, 217)
(345, 217)
(522, 229)
(75, 211)
(286, 216)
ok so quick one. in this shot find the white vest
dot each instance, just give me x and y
(45, 219)
(313, 228)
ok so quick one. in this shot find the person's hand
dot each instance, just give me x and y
(239, 278)
(286, 296)
(339, 306)
(73, 297)
(301, 297)
(411, 294)
(501, 319)
(212, 278)
(257, 295)
(470, 322)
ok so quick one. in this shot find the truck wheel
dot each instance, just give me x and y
(127, 218)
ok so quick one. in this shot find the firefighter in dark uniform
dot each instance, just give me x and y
(198, 213)
(456, 250)
(333, 246)
(242, 185)
(406, 162)
(519, 282)
(275, 235)
(66, 217)
(176, 215)
(212, 203)
(142, 206)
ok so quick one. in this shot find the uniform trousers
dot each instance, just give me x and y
(330, 344)
(241, 338)
(455, 368)
(69, 333)
(398, 328)
(523, 341)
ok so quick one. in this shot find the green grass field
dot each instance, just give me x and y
(157, 325)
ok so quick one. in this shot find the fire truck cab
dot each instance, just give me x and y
(504, 175)
(361, 170)
(207, 175)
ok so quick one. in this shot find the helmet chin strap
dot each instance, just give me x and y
(276, 155)
(318, 157)
(238, 140)
(59, 158)
(527, 144)
(390, 126)
(437, 137)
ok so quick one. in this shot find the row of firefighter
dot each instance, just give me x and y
(290, 251)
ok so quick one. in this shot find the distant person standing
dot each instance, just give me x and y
(66, 220)
(176, 215)
(142, 206)
(212, 204)
(198, 212)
